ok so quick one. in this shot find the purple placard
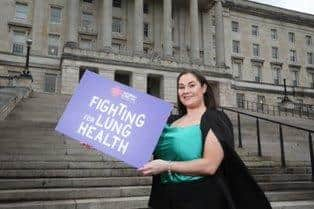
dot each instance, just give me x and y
(114, 119)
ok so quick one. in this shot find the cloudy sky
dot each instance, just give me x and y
(298, 5)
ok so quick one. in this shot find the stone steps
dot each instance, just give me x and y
(72, 193)
(40, 164)
(123, 203)
(38, 194)
(42, 169)
(116, 203)
(32, 183)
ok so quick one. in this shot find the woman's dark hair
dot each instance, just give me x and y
(209, 98)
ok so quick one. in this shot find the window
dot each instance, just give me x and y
(277, 74)
(145, 8)
(293, 55)
(240, 100)
(116, 25)
(291, 37)
(146, 30)
(21, 11)
(55, 15)
(18, 42)
(53, 44)
(310, 58)
(273, 35)
(235, 26)
(86, 43)
(123, 77)
(237, 68)
(308, 40)
(50, 82)
(254, 30)
(257, 70)
(87, 19)
(154, 85)
(274, 52)
(116, 3)
(295, 77)
(256, 50)
(236, 46)
(260, 103)
(311, 76)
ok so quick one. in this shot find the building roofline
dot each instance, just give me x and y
(269, 11)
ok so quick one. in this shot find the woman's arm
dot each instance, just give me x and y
(212, 157)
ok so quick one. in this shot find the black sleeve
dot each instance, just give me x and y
(213, 120)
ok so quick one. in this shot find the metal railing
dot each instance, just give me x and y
(299, 109)
(281, 136)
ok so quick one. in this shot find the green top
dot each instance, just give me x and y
(179, 144)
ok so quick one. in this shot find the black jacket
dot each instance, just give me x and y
(240, 189)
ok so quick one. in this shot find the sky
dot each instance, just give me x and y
(306, 6)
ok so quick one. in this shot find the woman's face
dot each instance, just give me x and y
(190, 91)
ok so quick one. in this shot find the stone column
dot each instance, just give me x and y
(139, 81)
(182, 32)
(70, 78)
(138, 27)
(167, 29)
(73, 23)
(39, 31)
(206, 37)
(107, 73)
(195, 48)
(170, 88)
(219, 30)
(106, 25)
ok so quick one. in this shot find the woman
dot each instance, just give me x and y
(191, 168)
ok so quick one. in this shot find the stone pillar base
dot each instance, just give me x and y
(107, 49)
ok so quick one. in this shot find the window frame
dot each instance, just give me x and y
(291, 37)
(146, 29)
(117, 24)
(235, 29)
(293, 55)
(254, 29)
(16, 11)
(236, 43)
(274, 34)
(53, 46)
(256, 48)
(275, 51)
(51, 20)
(17, 44)
(117, 3)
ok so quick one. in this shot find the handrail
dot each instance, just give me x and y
(267, 119)
(281, 137)
(299, 109)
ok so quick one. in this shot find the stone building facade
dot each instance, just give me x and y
(244, 48)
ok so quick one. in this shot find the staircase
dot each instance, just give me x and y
(41, 169)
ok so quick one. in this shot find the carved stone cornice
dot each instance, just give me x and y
(271, 12)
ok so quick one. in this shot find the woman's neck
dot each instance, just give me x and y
(198, 111)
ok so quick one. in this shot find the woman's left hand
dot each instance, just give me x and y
(154, 167)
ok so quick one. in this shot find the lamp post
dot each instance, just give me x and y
(26, 71)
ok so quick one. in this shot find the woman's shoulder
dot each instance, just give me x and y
(172, 118)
